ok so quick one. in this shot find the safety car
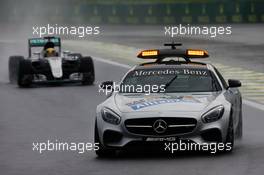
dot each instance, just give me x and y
(190, 102)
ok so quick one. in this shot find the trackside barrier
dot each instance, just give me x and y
(135, 12)
(162, 13)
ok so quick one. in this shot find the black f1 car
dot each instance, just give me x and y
(50, 64)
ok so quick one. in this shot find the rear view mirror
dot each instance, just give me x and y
(234, 83)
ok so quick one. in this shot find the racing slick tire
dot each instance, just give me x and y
(13, 67)
(102, 151)
(24, 73)
(87, 68)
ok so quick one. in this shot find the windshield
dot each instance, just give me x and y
(170, 80)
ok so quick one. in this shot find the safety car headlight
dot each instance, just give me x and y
(213, 114)
(110, 116)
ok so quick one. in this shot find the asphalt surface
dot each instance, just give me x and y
(67, 113)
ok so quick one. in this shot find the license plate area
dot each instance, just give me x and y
(162, 139)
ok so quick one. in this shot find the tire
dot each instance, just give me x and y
(13, 67)
(240, 125)
(87, 68)
(24, 73)
(102, 151)
(230, 135)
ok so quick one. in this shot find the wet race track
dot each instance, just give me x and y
(67, 113)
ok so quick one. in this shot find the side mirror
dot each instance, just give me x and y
(234, 83)
(107, 85)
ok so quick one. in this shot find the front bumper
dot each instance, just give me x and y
(120, 136)
(73, 77)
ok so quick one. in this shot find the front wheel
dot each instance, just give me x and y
(13, 67)
(102, 151)
(87, 68)
(240, 125)
(230, 136)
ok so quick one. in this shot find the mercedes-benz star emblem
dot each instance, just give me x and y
(160, 126)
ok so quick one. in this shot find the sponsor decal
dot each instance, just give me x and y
(158, 72)
(148, 102)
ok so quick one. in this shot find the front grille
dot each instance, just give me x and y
(144, 126)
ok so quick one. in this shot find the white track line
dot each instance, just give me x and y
(246, 102)
(254, 104)
(112, 62)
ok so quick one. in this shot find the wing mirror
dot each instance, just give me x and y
(107, 85)
(234, 83)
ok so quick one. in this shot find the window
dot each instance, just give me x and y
(175, 79)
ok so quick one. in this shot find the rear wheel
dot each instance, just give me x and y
(87, 68)
(102, 151)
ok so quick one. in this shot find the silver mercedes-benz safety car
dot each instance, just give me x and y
(49, 64)
(173, 98)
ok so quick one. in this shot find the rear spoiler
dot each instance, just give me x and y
(40, 42)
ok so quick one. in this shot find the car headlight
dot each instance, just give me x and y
(110, 116)
(213, 114)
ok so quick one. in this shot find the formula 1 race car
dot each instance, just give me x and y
(174, 100)
(50, 64)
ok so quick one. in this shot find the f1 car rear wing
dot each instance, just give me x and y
(41, 42)
(160, 54)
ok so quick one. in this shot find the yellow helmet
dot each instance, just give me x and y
(50, 52)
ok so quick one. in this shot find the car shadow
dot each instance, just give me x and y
(146, 155)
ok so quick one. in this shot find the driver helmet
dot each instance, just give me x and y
(50, 52)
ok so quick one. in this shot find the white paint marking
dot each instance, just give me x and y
(112, 62)
(254, 104)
